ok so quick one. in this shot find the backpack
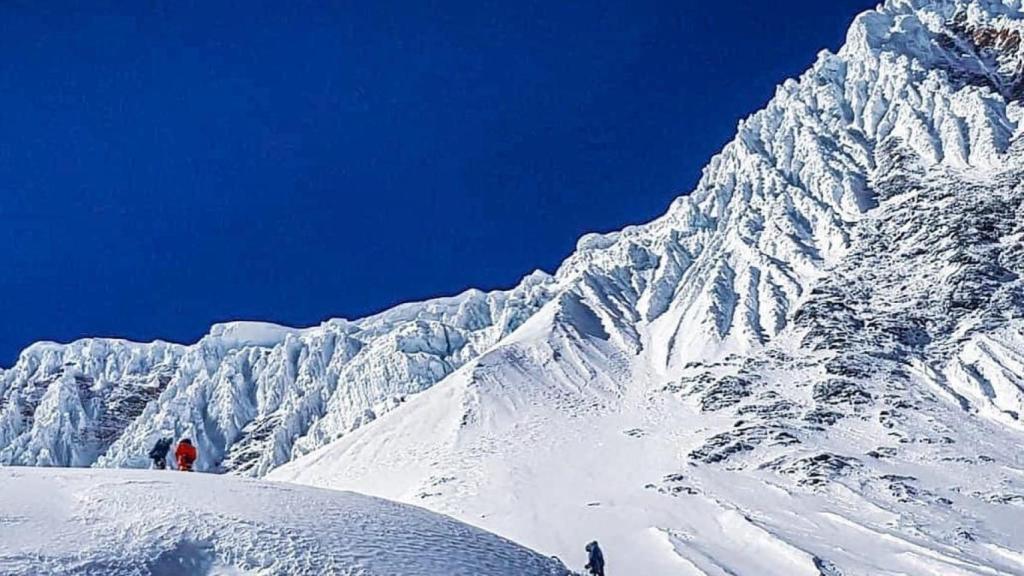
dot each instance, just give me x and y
(160, 450)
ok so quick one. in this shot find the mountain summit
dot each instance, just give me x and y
(812, 364)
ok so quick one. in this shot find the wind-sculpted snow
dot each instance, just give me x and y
(139, 523)
(64, 405)
(988, 374)
(250, 395)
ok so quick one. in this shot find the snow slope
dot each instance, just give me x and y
(163, 523)
(810, 365)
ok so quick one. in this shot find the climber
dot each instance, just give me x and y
(596, 562)
(159, 453)
(186, 455)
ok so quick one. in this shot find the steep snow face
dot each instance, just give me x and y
(140, 523)
(64, 405)
(814, 357)
(878, 434)
(988, 374)
(250, 395)
(722, 272)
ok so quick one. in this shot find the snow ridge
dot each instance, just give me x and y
(105, 522)
(251, 395)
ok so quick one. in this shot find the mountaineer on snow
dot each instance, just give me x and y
(595, 562)
(158, 454)
(186, 455)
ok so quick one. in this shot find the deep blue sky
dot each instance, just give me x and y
(167, 165)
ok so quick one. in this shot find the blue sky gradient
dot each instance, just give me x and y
(168, 165)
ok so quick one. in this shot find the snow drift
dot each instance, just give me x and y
(162, 523)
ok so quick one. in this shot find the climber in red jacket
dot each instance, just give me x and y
(186, 455)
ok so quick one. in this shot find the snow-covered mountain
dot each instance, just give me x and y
(812, 364)
(130, 523)
(251, 395)
(877, 434)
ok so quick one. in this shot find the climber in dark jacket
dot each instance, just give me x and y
(596, 559)
(159, 453)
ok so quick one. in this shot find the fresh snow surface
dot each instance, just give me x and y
(257, 334)
(140, 523)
